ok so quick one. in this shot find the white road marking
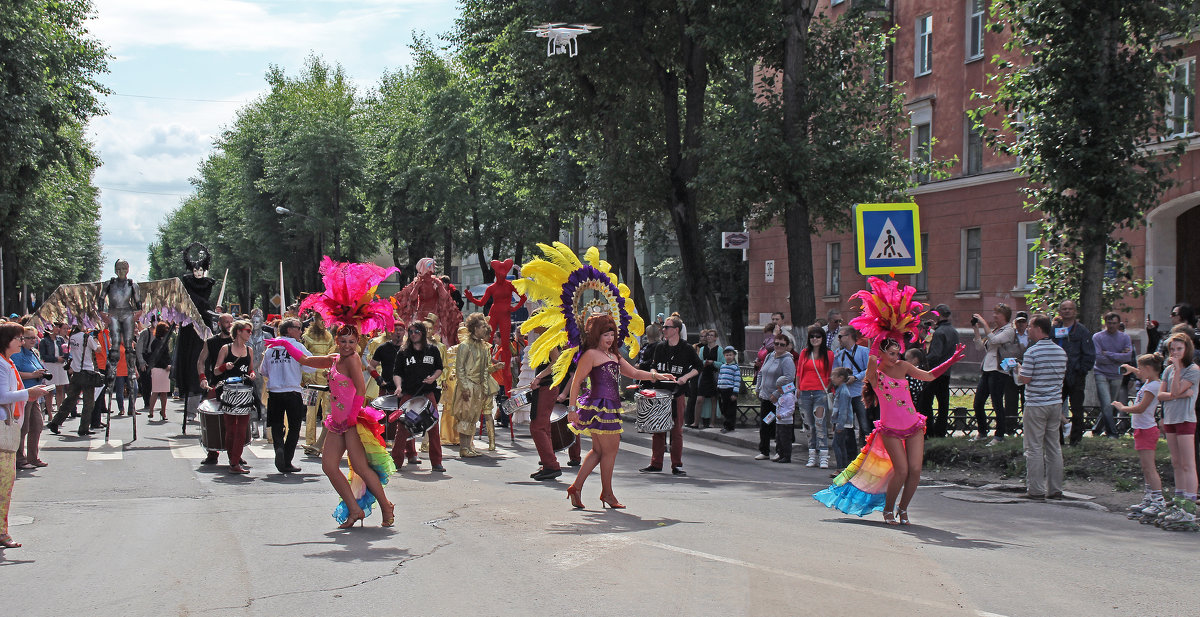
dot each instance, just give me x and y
(98, 450)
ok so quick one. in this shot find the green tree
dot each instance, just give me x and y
(1078, 116)
(48, 86)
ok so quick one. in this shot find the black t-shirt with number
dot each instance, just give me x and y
(678, 360)
(414, 366)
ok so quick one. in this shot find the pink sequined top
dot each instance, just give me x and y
(897, 414)
(347, 404)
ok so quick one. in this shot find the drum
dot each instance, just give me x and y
(312, 393)
(212, 431)
(418, 415)
(654, 411)
(387, 404)
(237, 399)
(561, 436)
(518, 398)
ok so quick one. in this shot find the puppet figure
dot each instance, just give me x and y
(428, 294)
(500, 294)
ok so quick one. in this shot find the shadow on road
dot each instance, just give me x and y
(932, 535)
(355, 545)
(613, 521)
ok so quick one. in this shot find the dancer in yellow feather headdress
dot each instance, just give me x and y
(589, 313)
(562, 282)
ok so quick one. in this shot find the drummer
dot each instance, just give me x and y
(205, 363)
(417, 366)
(383, 362)
(283, 394)
(673, 355)
(237, 360)
(541, 404)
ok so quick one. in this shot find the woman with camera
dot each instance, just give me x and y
(998, 345)
(13, 397)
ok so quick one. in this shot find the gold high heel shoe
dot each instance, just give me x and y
(352, 519)
(389, 515)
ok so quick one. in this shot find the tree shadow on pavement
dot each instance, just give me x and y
(612, 521)
(932, 535)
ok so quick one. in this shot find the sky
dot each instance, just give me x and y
(180, 70)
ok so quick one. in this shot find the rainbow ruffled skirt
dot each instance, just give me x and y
(861, 488)
(370, 432)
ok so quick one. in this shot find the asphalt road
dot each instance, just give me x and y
(148, 531)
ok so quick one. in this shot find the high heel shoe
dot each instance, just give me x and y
(890, 518)
(389, 515)
(573, 496)
(612, 502)
(361, 516)
(903, 516)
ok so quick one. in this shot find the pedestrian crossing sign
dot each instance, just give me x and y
(889, 238)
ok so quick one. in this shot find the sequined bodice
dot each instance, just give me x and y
(896, 408)
(605, 380)
(341, 387)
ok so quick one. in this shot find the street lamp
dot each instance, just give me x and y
(280, 210)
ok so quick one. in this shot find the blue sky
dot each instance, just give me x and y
(180, 70)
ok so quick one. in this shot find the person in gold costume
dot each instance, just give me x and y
(450, 391)
(473, 368)
(320, 342)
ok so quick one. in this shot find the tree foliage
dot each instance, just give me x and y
(1080, 116)
(48, 91)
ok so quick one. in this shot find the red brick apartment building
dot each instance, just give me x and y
(976, 234)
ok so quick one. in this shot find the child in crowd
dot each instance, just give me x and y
(785, 411)
(729, 382)
(1145, 431)
(843, 417)
(916, 357)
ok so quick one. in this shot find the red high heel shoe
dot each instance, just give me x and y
(612, 502)
(573, 496)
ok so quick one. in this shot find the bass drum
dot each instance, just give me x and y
(212, 426)
(561, 436)
(418, 415)
(387, 404)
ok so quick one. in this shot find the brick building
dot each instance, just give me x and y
(977, 238)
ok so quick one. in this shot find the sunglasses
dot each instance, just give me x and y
(1174, 314)
(668, 327)
(816, 337)
(781, 344)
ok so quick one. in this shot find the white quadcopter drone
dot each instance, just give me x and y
(561, 37)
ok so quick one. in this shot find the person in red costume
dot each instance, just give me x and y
(428, 294)
(500, 294)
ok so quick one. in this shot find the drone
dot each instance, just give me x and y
(561, 37)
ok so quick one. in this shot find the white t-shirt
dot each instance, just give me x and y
(1146, 418)
(79, 359)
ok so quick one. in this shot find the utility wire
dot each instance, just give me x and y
(171, 98)
(113, 188)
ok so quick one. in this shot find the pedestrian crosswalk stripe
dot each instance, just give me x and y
(99, 450)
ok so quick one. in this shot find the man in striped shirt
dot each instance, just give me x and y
(1042, 373)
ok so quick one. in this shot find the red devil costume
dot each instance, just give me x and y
(500, 294)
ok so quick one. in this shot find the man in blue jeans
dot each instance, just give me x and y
(853, 356)
(1113, 348)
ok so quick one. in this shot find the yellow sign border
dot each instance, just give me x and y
(861, 241)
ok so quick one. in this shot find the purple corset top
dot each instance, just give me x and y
(605, 381)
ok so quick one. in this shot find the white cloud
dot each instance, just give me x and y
(235, 25)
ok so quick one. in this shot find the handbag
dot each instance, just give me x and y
(91, 379)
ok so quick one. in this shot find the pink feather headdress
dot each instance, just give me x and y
(349, 296)
(888, 310)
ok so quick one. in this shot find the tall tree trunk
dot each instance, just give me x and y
(683, 142)
(797, 16)
(616, 246)
(1091, 286)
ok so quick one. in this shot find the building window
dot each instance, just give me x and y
(923, 63)
(974, 154)
(1179, 103)
(975, 20)
(920, 280)
(1027, 256)
(922, 150)
(833, 269)
(971, 262)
